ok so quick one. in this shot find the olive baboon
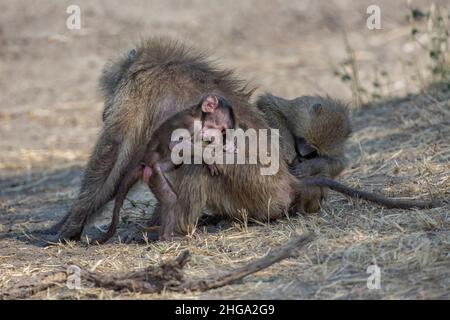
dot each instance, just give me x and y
(313, 130)
(159, 80)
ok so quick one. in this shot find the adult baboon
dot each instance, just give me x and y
(141, 91)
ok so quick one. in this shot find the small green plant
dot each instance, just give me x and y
(431, 30)
(348, 72)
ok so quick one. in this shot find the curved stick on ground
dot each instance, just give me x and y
(167, 276)
(288, 250)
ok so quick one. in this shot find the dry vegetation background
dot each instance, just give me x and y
(50, 114)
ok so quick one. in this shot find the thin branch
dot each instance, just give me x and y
(167, 276)
(288, 250)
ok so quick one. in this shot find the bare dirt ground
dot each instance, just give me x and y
(50, 114)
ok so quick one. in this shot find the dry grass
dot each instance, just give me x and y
(50, 115)
(399, 148)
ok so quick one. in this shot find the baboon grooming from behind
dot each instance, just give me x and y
(142, 91)
(313, 131)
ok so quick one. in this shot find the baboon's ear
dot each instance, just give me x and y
(132, 54)
(209, 104)
(316, 108)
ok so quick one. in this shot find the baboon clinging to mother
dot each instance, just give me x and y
(213, 115)
(161, 79)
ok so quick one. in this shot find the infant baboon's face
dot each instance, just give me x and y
(217, 117)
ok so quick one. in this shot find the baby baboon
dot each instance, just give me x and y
(160, 80)
(215, 114)
(318, 181)
(313, 131)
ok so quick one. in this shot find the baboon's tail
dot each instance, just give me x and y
(376, 198)
(125, 185)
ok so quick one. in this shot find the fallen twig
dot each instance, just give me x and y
(167, 276)
(288, 250)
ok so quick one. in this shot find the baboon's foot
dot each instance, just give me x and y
(44, 238)
(70, 234)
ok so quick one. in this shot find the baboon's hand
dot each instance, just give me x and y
(310, 199)
(213, 169)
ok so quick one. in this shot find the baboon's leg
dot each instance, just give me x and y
(168, 201)
(309, 200)
(161, 187)
(155, 219)
(100, 182)
(166, 165)
(180, 206)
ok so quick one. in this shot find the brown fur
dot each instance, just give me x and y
(324, 124)
(161, 79)
(157, 158)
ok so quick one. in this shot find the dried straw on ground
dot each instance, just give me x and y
(399, 147)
